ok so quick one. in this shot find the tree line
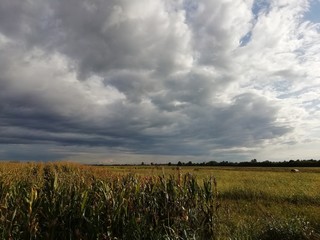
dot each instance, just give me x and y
(252, 163)
(255, 163)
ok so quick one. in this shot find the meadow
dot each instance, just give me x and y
(73, 201)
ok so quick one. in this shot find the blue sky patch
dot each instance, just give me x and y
(313, 14)
(245, 39)
(260, 5)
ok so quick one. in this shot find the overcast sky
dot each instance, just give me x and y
(125, 81)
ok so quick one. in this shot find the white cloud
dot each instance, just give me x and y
(181, 78)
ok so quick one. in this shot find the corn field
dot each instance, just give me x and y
(70, 201)
(66, 202)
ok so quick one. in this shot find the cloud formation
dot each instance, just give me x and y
(224, 80)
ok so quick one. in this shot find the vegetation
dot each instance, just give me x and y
(255, 163)
(71, 201)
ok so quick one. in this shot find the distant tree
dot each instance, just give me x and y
(179, 163)
(212, 163)
(169, 163)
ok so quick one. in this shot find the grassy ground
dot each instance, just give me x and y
(252, 196)
(241, 203)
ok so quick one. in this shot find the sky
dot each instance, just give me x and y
(126, 81)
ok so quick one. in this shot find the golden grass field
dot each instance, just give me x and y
(249, 195)
(245, 203)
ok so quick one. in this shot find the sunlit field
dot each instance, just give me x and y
(73, 201)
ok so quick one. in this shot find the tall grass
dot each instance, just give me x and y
(71, 201)
(64, 202)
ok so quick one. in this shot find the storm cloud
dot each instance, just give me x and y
(202, 79)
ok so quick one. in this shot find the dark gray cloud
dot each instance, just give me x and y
(139, 77)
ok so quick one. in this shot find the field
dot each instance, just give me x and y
(73, 201)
